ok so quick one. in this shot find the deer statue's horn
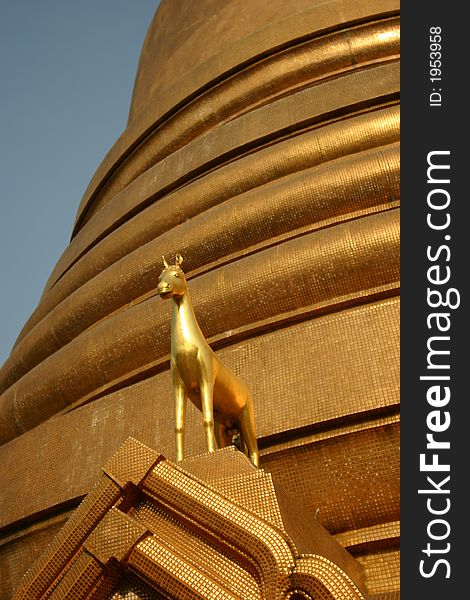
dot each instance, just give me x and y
(178, 259)
(165, 264)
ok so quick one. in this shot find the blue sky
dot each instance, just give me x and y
(67, 74)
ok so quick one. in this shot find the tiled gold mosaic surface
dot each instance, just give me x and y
(367, 335)
(267, 25)
(111, 419)
(382, 572)
(187, 541)
(201, 553)
(133, 466)
(79, 580)
(205, 237)
(278, 180)
(349, 482)
(359, 90)
(303, 64)
(68, 541)
(275, 33)
(114, 536)
(18, 553)
(370, 539)
(303, 483)
(286, 157)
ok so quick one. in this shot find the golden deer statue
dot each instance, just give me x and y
(199, 375)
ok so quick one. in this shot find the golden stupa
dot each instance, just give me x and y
(262, 144)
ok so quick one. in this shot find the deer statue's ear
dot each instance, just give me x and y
(178, 259)
(165, 264)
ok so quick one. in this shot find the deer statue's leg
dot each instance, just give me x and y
(248, 436)
(243, 446)
(207, 391)
(180, 410)
(180, 396)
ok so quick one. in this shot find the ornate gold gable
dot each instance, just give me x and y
(210, 527)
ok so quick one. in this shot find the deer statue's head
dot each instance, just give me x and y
(172, 281)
